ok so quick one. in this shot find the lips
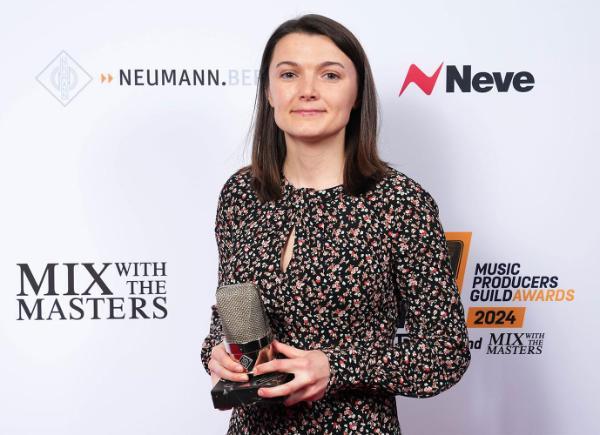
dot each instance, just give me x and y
(307, 111)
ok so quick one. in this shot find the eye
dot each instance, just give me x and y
(332, 76)
(286, 75)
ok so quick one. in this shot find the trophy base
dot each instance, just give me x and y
(227, 394)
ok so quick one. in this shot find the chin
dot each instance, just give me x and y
(307, 133)
(310, 137)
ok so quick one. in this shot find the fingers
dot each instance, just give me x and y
(294, 359)
(222, 365)
(281, 390)
(214, 379)
(303, 394)
(223, 373)
(287, 350)
(309, 374)
(278, 365)
(220, 354)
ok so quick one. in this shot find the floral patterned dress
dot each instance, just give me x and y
(357, 261)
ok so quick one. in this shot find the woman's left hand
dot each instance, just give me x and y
(310, 369)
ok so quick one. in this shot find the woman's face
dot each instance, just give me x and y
(312, 87)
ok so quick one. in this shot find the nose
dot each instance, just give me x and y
(308, 90)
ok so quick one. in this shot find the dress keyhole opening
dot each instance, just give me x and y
(288, 249)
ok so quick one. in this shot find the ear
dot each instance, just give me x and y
(269, 97)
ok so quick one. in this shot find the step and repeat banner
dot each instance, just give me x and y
(120, 122)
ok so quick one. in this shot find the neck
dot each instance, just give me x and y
(318, 165)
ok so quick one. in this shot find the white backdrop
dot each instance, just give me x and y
(102, 172)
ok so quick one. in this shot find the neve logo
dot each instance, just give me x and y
(521, 81)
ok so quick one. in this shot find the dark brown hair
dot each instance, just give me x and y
(362, 165)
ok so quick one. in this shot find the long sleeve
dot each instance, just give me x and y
(436, 353)
(224, 224)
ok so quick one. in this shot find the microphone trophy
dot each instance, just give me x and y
(247, 339)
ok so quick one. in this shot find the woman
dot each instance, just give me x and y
(338, 242)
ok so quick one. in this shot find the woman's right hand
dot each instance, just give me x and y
(222, 366)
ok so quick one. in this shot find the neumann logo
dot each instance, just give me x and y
(463, 80)
(64, 78)
(246, 361)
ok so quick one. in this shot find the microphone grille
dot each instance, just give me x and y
(242, 312)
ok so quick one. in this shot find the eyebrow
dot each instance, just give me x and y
(321, 65)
